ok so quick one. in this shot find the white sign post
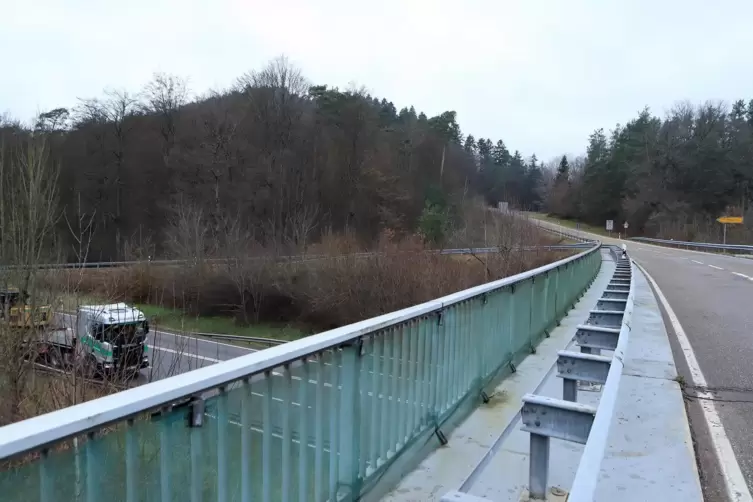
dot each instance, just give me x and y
(610, 225)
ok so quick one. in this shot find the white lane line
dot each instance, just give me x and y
(734, 480)
(743, 276)
(187, 354)
(698, 262)
(191, 338)
(714, 266)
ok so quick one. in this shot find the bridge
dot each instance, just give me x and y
(419, 404)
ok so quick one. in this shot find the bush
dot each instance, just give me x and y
(321, 293)
(434, 223)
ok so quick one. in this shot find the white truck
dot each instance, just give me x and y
(106, 340)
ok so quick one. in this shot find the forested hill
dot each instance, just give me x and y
(274, 158)
(670, 176)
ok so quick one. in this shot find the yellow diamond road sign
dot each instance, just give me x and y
(730, 219)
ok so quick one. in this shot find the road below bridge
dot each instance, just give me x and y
(709, 310)
(174, 353)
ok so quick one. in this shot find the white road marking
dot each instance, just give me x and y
(698, 262)
(734, 480)
(182, 353)
(743, 276)
(191, 338)
(714, 266)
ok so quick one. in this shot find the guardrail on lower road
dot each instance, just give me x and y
(709, 246)
(271, 342)
(304, 258)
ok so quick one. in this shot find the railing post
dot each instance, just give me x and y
(570, 390)
(538, 475)
(350, 419)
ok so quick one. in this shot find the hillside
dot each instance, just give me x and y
(273, 161)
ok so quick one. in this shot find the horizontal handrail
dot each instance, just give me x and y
(743, 248)
(42, 430)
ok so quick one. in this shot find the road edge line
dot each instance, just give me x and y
(734, 481)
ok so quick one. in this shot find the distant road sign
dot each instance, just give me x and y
(730, 220)
(610, 225)
(625, 225)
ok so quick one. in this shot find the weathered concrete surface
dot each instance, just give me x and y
(650, 452)
(711, 296)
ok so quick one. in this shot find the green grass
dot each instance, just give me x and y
(175, 319)
(573, 224)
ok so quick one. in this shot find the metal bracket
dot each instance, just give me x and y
(625, 288)
(615, 304)
(512, 367)
(485, 397)
(596, 337)
(616, 295)
(582, 367)
(440, 435)
(196, 412)
(484, 299)
(605, 318)
(556, 418)
(533, 349)
(440, 319)
(357, 344)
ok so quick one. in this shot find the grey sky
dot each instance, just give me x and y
(541, 75)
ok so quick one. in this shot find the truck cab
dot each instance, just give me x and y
(113, 337)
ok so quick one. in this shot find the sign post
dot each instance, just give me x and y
(625, 226)
(728, 220)
(610, 226)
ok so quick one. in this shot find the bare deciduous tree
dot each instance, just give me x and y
(164, 96)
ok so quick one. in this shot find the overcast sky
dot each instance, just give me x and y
(541, 75)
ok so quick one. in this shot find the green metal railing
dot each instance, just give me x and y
(317, 419)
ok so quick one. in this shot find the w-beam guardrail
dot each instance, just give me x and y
(607, 328)
(321, 418)
(241, 338)
(706, 246)
(299, 258)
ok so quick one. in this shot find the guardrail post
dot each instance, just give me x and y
(350, 419)
(570, 390)
(538, 466)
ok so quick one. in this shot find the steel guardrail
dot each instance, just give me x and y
(362, 394)
(298, 258)
(567, 419)
(741, 248)
(241, 338)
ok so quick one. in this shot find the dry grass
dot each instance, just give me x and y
(311, 295)
(323, 293)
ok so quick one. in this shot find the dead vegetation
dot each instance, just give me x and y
(337, 285)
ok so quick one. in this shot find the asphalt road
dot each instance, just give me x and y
(173, 354)
(712, 296)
